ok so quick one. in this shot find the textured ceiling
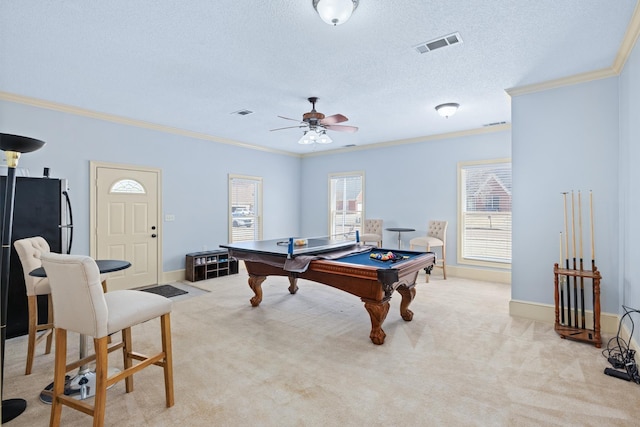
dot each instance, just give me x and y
(191, 64)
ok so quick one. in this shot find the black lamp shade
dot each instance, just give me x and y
(19, 144)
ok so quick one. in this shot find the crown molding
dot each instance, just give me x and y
(628, 42)
(426, 138)
(564, 81)
(34, 102)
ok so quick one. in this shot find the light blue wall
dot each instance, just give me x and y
(405, 185)
(194, 175)
(564, 139)
(581, 137)
(630, 180)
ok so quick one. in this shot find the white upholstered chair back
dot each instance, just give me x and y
(29, 251)
(372, 231)
(436, 237)
(373, 226)
(438, 229)
(78, 297)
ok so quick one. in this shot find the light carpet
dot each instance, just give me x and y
(306, 360)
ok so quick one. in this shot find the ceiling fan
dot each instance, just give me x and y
(318, 124)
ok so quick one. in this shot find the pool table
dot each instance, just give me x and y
(345, 266)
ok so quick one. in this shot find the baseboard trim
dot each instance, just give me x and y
(482, 274)
(173, 276)
(547, 313)
(609, 322)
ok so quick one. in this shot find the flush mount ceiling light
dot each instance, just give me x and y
(335, 12)
(447, 110)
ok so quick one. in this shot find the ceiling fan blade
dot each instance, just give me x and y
(342, 128)
(336, 118)
(289, 127)
(287, 118)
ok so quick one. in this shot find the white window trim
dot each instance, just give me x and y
(258, 213)
(330, 207)
(460, 259)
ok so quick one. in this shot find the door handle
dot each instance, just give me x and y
(153, 235)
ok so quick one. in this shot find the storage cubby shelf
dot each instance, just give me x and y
(209, 265)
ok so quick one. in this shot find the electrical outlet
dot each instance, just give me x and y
(169, 217)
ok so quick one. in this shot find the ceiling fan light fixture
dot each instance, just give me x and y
(447, 110)
(335, 12)
(309, 137)
(324, 138)
(305, 140)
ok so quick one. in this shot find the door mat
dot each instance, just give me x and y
(166, 291)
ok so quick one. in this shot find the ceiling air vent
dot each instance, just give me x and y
(449, 40)
(242, 112)
(494, 124)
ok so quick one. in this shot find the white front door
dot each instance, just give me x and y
(127, 223)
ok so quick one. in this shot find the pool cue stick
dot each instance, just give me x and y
(575, 279)
(581, 266)
(561, 285)
(593, 251)
(566, 261)
(593, 245)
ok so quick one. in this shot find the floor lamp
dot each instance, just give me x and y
(13, 146)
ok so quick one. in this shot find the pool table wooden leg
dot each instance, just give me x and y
(408, 294)
(255, 283)
(293, 284)
(377, 312)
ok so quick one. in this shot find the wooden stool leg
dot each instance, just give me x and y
(32, 303)
(60, 368)
(165, 324)
(50, 322)
(102, 365)
(126, 357)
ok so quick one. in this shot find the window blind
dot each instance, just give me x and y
(486, 212)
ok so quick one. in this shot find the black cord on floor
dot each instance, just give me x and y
(618, 353)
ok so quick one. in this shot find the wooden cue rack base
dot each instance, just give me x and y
(572, 325)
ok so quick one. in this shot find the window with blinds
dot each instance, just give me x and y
(485, 213)
(346, 201)
(245, 208)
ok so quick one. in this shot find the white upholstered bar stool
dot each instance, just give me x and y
(372, 231)
(81, 306)
(29, 251)
(436, 237)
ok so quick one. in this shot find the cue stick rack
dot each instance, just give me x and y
(571, 317)
(570, 322)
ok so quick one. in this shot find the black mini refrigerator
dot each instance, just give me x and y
(41, 208)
